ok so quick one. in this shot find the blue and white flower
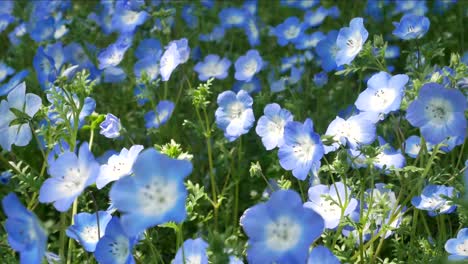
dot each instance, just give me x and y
(213, 66)
(85, 228)
(248, 65)
(458, 247)
(192, 251)
(350, 41)
(411, 27)
(432, 200)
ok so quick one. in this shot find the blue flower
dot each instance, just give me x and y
(316, 17)
(177, 52)
(41, 29)
(25, 233)
(326, 49)
(438, 112)
(252, 86)
(188, 15)
(111, 56)
(5, 71)
(252, 31)
(350, 41)
(154, 195)
(113, 75)
(18, 134)
(159, 117)
(148, 48)
(70, 176)
(5, 177)
(413, 146)
(431, 200)
(216, 34)
(411, 27)
(192, 251)
(248, 65)
(322, 255)
(126, 20)
(232, 17)
(270, 126)
(320, 79)
(352, 132)
(281, 229)
(331, 202)
(115, 246)
(383, 94)
(234, 114)
(414, 7)
(148, 66)
(458, 247)
(288, 31)
(85, 229)
(308, 41)
(302, 149)
(13, 82)
(110, 127)
(389, 158)
(212, 66)
(118, 166)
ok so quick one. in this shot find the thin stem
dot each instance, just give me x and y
(236, 181)
(71, 244)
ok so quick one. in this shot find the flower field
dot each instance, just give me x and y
(250, 131)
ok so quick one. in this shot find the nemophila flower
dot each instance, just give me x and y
(177, 52)
(350, 41)
(270, 126)
(118, 166)
(110, 127)
(320, 79)
(383, 94)
(281, 229)
(154, 195)
(15, 36)
(192, 251)
(316, 17)
(5, 177)
(232, 17)
(216, 34)
(252, 86)
(458, 247)
(25, 233)
(45, 68)
(389, 158)
(41, 29)
(392, 52)
(374, 8)
(70, 175)
(190, 19)
(147, 66)
(75, 54)
(7, 6)
(234, 114)
(85, 228)
(15, 130)
(252, 31)
(413, 146)
(113, 75)
(148, 48)
(411, 27)
(302, 149)
(235, 260)
(115, 246)
(5, 71)
(288, 31)
(331, 202)
(308, 41)
(438, 112)
(327, 49)
(414, 7)
(13, 82)
(248, 65)
(160, 116)
(212, 66)
(322, 255)
(352, 132)
(111, 56)
(126, 20)
(432, 200)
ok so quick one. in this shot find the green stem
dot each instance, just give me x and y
(71, 244)
(236, 181)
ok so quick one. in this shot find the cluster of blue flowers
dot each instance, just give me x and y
(404, 117)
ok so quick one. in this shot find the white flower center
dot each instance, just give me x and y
(130, 17)
(304, 149)
(193, 259)
(73, 180)
(276, 126)
(438, 110)
(292, 32)
(354, 44)
(250, 67)
(462, 249)
(329, 208)
(283, 233)
(382, 99)
(90, 234)
(235, 19)
(235, 110)
(213, 69)
(158, 196)
(119, 248)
